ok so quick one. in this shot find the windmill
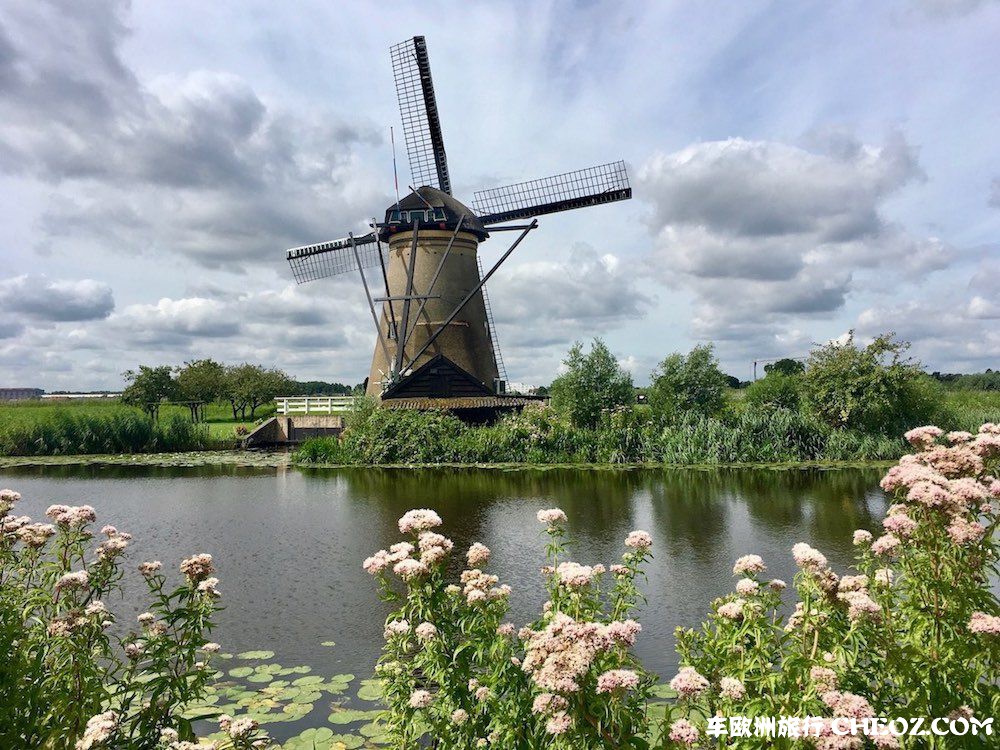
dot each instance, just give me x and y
(436, 342)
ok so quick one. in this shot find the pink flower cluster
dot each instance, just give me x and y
(684, 732)
(481, 587)
(71, 516)
(434, 547)
(749, 564)
(198, 566)
(731, 688)
(617, 681)
(639, 540)
(417, 520)
(551, 516)
(808, 558)
(923, 437)
(575, 575)
(560, 654)
(478, 555)
(984, 624)
(688, 683)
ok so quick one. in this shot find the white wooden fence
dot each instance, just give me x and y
(314, 404)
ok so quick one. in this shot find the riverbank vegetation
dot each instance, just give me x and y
(911, 633)
(65, 681)
(847, 403)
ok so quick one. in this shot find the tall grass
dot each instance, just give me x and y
(626, 436)
(72, 432)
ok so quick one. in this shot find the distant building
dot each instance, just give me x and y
(20, 394)
(68, 396)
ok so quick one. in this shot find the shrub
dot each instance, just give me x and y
(873, 388)
(65, 682)
(689, 384)
(775, 391)
(591, 384)
(913, 632)
(454, 670)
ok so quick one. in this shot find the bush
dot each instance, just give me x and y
(775, 391)
(913, 632)
(64, 681)
(454, 670)
(873, 389)
(689, 384)
(591, 384)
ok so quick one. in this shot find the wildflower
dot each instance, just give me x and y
(749, 564)
(482, 693)
(964, 532)
(552, 516)
(197, 567)
(241, 728)
(958, 436)
(777, 584)
(900, 525)
(76, 580)
(35, 534)
(968, 490)
(808, 558)
(848, 704)
(622, 632)
(134, 650)
(684, 732)
(824, 678)
(548, 703)
(418, 520)
(986, 445)
(928, 494)
(557, 656)
(410, 569)
(883, 576)
(99, 729)
(639, 540)
(732, 610)
(376, 563)
(731, 688)
(852, 583)
(420, 698)
(886, 545)
(208, 587)
(146, 618)
(400, 551)
(617, 680)
(747, 587)
(396, 627)
(860, 605)
(168, 735)
(425, 631)
(430, 539)
(559, 723)
(96, 607)
(618, 570)
(478, 555)
(71, 516)
(984, 624)
(150, 568)
(459, 716)
(923, 437)
(506, 629)
(688, 683)
(574, 575)
(112, 547)
(211, 648)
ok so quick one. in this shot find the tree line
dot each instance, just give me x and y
(245, 387)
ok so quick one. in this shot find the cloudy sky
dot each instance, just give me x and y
(799, 169)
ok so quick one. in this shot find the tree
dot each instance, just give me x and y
(875, 388)
(786, 366)
(776, 391)
(148, 387)
(249, 386)
(201, 380)
(689, 384)
(592, 382)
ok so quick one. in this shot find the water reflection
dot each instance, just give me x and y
(289, 542)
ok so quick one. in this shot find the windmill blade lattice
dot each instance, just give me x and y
(418, 108)
(604, 183)
(324, 259)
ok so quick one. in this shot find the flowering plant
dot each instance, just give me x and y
(913, 632)
(453, 669)
(65, 682)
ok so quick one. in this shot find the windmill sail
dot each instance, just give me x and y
(311, 262)
(418, 108)
(604, 183)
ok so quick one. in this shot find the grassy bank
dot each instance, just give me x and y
(626, 436)
(53, 428)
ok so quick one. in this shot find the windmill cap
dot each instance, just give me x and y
(418, 205)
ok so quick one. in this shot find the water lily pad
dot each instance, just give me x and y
(350, 716)
(256, 655)
(371, 690)
(310, 680)
(345, 742)
(241, 671)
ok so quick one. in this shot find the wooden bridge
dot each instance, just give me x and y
(289, 405)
